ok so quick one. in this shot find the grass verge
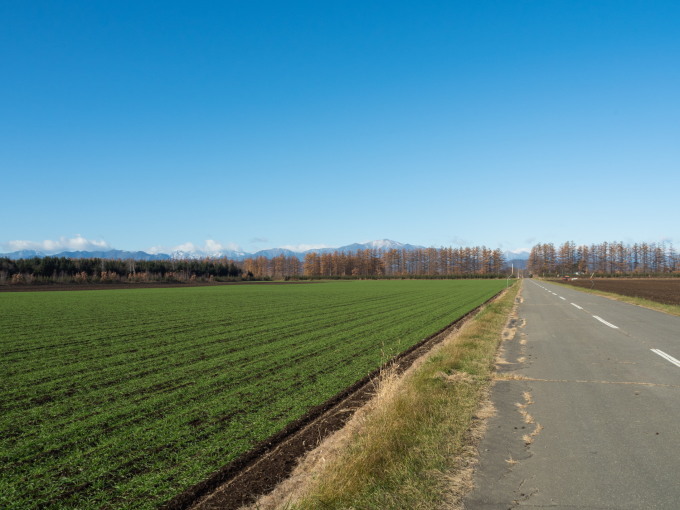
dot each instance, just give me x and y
(404, 450)
(645, 303)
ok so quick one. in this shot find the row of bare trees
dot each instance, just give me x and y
(477, 261)
(432, 262)
(607, 258)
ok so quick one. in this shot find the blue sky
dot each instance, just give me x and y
(149, 125)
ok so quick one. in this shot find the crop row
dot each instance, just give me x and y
(127, 397)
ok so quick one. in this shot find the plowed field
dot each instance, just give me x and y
(125, 398)
(661, 290)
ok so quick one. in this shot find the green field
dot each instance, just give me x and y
(124, 398)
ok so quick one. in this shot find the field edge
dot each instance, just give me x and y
(249, 476)
(637, 301)
(415, 442)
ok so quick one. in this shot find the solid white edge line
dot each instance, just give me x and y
(605, 322)
(667, 357)
(574, 304)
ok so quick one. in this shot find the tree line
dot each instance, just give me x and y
(96, 270)
(372, 263)
(477, 261)
(604, 259)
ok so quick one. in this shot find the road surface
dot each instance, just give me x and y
(588, 408)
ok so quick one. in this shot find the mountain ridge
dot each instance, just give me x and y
(380, 245)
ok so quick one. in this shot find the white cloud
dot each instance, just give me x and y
(213, 246)
(233, 246)
(77, 243)
(459, 241)
(157, 249)
(209, 246)
(305, 247)
(185, 247)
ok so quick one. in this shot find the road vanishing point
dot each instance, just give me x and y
(587, 403)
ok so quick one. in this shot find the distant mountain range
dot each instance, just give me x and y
(109, 254)
(381, 245)
(518, 260)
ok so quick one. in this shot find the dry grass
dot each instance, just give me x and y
(409, 447)
(529, 438)
(528, 419)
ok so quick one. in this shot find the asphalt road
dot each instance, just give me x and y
(588, 407)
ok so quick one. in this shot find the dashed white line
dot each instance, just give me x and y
(563, 299)
(605, 322)
(667, 357)
(574, 304)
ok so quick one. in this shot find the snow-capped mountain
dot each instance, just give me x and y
(185, 255)
(380, 245)
(517, 259)
(517, 255)
(193, 253)
(274, 252)
(203, 254)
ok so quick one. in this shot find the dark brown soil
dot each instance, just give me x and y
(661, 290)
(260, 470)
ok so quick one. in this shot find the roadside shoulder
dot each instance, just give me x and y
(412, 444)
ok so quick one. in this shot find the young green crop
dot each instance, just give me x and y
(118, 398)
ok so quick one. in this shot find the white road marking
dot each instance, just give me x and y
(605, 322)
(667, 357)
(563, 299)
(574, 304)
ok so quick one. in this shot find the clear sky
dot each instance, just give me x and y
(139, 125)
